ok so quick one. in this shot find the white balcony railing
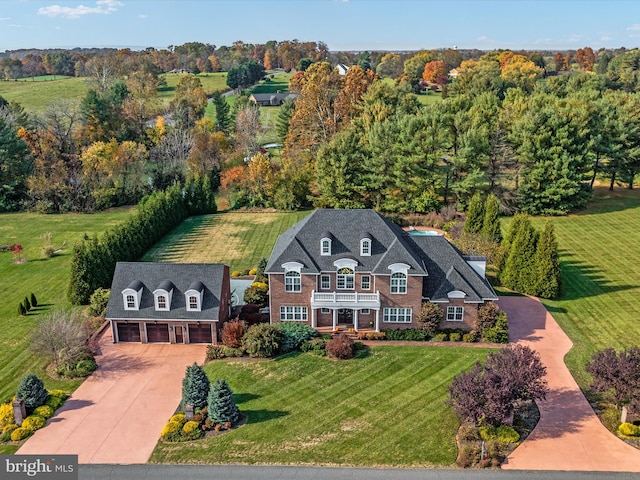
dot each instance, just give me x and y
(345, 300)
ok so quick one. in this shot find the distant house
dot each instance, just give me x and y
(168, 302)
(453, 73)
(271, 99)
(357, 269)
(342, 69)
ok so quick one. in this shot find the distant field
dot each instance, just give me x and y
(46, 278)
(211, 82)
(235, 238)
(39, 95)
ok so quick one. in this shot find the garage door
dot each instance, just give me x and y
(128, 332)
(199, 333)
(157, 333)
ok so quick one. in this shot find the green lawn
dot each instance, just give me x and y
(384, 409)
(211, 82)
(46, 278)
(238, 239)
(38, 96)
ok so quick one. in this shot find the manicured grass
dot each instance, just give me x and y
(38, 96)
(280, 82)
(386, 408)
(238, 239)
(429, 98)
(46, 278)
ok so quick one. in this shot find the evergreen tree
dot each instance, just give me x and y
(475, 215)
(491, 223)
(520, 267)
(222, 409)
(195, 387)
(31, 390)
(511, 235)
(209, 195)
(283, 118)
(223, 120)
(548, 281)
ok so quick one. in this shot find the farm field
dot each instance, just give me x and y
(36, 96)
(46, 278)
(238, 239)
(386, 408)
(211, 82)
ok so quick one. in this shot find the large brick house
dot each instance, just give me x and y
(168, 302)
(357, 269)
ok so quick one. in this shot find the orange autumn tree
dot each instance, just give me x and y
(434, 70)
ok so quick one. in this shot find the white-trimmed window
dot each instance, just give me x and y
(455, 314)
(365, 282)
(132, 295)
(325, 247)
(292, 281)
(193, 296)
(293, 313)
(325, 310)
(345, 279)
(365, 247)
(396, 315)
(398, 283)
(162, 302)
(131, 302)
(193, 302)
(365, 311)
(325, 282)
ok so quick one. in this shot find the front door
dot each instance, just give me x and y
(178, 332)
(345, 315)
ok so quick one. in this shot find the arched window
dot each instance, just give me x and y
(346, 279)
(292, 281)
(131, 302)
(325, 246)
(162, 302)
(365, 247)
(398, 283)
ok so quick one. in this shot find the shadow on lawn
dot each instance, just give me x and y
(590, 280)
(245, 397)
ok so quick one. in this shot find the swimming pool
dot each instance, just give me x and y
(423, 233)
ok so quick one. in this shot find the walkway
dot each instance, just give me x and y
(569, 435)
(117, 414)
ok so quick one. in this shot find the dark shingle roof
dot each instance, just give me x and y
(180, 276)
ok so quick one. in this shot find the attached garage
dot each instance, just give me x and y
(157, 333)
(128, 332)
(200, 333)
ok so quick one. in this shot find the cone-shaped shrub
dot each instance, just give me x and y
(222, 408)
(31, 390)
(195, 387)
(491, 224)
(475, 215)
(548, 280)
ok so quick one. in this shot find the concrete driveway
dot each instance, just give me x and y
(117, 414)
(569, 435)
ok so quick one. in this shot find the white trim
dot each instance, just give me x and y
(400, 286)
(193, 293)
(292, 267)
(399, 268)
(367, 252)
(325, 310)
(328, 287)
(293, 311)
(346, 262)
(454, 312)
(397, 315)
(456, 294)
(137, 295)
(362, 287)
(295, 284)
(325, 247)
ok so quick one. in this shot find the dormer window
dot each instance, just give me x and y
(163, 295)
(325, 247)
(365, 247)
(132, 294)
(194, 296)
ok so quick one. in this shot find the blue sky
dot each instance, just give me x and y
(341, 24)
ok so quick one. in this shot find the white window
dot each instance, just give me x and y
(398, 283)
(162, 302)
(193, 302)
(455, 314)
(365, 247)
(291, 313)
(292, 282)
(131, 302)
(325, 282)
(365, 311)
(325, 246)
(396, 315)
(365, 282)
(325, 310)
(132, 295)
(346, 279)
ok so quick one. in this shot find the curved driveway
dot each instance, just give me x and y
(569, 435)
(117, 414)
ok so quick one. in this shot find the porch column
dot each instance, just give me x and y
(377, 319)
(355, 319)
(335, 318)
(313, 317)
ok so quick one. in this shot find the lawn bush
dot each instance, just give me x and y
(44, 411)
(629, 430)
(317, 346)
(215, 352)
(235, 274)
(98, 302)
(373, 335)
(233, 352)
(294, 334)
(232, 333)
(257, 293)
(6, 415)
(179, 418)
(341, 347)
(498, 333)
(171, 432)
(487, 317)
(408, 334)
(34, 422)
(455, 337)
(20, 433)
(7, 430)
(54, 402)
(262, 340)
(469, 337)
(31, 390)
(440, 337)
(502, 434)
(221, 407)
(191, 431)
(195, 387)
(430, 317)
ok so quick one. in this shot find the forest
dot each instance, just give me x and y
(536, 129)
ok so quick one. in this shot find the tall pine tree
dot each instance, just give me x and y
(548, 280)
(520, 266)
(475, 215)
(491, 223)
(222, 409)
(195, 387)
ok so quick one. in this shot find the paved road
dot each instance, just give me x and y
(174, 472)
(117, 414)
(569, 435)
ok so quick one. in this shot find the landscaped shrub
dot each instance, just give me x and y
(253, 271)
(98, 302)
(44, 411)
(373, 335)
(257, 293)
(232, 333)
(293, 335)
(54, 402)
(502, 434)
(6, 415)
(7, 431)
(191, 431)
(221, 407)
(487, 317)
(233, 352)
(179, 418)
(408, 334)
(171, 431)
(31, 390)
(34, 422)
(20, 433)
(215, 352)
(498, 333)
(262, 340)
(317, 346)
(469, 337)
(440, 337)
(455, 337)
(235, 274)
(341, 347)
(629, 430)
(430, 317)
(195, 387)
